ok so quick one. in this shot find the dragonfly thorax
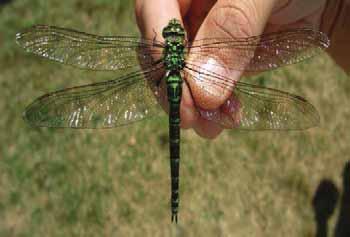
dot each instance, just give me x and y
(174, 61)
(174, 49)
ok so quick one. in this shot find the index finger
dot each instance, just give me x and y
(153, 15)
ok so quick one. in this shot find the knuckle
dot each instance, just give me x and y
(235, 18)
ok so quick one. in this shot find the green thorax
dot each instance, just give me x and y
(174, 50)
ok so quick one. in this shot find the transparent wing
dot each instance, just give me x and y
(258, 53)
(254, 107)
(86, 50)
(100, 105)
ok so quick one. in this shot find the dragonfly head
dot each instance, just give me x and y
(174, 28)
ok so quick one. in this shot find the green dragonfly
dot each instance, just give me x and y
(137, 91)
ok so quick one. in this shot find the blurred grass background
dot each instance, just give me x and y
(116, 182)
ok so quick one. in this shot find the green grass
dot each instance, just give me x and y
(116, 182)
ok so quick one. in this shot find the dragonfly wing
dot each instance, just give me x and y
(100, 105)
(252, 107)
(258, 53)
(261, 108)
(86, 50)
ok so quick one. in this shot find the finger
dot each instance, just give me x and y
(228, 19)
(184, 6)
(296, 10)
(153, 15)
(197, 12)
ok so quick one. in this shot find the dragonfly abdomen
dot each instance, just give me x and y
(174, 89)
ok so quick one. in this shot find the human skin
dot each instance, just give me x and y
(224, 18)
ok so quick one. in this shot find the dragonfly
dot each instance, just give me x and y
(143, 64)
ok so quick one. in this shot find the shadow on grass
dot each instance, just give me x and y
(324, 203)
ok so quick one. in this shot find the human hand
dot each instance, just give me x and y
(222, 18)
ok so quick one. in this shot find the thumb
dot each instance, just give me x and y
(229, 19)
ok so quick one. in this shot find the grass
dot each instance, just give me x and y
(116, 182)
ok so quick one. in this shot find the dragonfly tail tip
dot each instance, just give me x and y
(174, 217)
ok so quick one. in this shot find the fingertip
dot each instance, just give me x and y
(207, 129)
